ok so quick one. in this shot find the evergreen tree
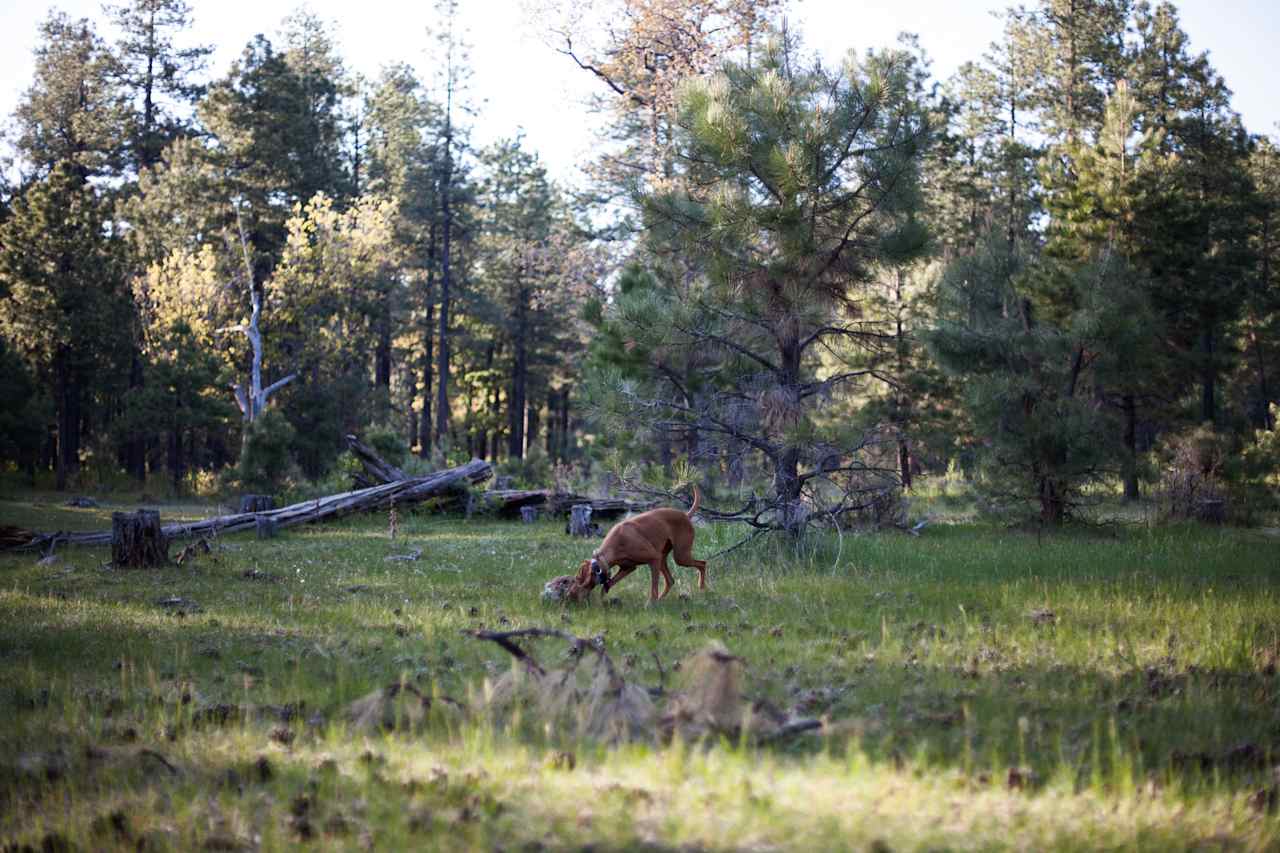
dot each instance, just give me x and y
(66, 309)
(452, 82)
(1105, 204)
(24, 414)
(156, 73)
(792, 179)
(276, 120)
(533, 272)
(1195, 247)
(73, 113)
(1077, 51)
(1260, 332)
(1030, 370)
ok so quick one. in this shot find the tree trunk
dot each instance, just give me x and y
(137, 540)
(424, 438)
(150, 154)
(1208, 379)
(413, 412)
(67, 390)
(60, 396)
(532, 425)
(446, 279)
(175, 465)
(904, 463)
(786, 472)
(382, 355)
(1053, 510)
(562, 452)
(378, 468)
(495, 415)
(1131, 492)
(447, 483)
(136, 447)
(519, 379)
(266, 527)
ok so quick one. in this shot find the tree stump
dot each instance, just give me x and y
(137, 540)
(1212, 510)
(580, 520)
(266, 527)
(528, 514)
(257, 503)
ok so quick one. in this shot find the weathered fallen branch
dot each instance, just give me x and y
(402, 493)
(378, 469)
(509, 502)
(502, 502)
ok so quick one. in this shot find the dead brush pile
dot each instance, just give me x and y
(586, 697)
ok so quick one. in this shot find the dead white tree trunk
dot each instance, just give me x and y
(253, 399)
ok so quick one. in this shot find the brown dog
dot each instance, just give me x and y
(645, 539)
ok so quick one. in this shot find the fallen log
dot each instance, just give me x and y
(501, 500)
(377, 469)
(402, 493)
(512, 502)
(600, 507)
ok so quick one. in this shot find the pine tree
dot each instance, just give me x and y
(73, 113)
(156, 73)
(452, 83)
(1103, 205)
(65, 306)
(1260, 332)
(785, 206)
(1030, 370)
(1196, 248)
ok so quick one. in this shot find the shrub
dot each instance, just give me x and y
(389, 444)
(1206, 477)
(267, 452)
(531, 472)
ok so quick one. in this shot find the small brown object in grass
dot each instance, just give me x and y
(564, 588)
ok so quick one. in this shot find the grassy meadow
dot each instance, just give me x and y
(980, 688)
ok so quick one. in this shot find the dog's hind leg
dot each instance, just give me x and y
(684, 557)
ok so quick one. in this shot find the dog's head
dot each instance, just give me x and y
(591, 573)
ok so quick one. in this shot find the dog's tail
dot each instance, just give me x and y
(697, 500)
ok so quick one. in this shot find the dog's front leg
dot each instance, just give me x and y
(655, 569)
(622, 573)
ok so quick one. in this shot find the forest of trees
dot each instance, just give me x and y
(803, 284)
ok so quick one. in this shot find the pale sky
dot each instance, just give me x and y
(521, 83)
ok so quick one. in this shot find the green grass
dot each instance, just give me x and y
(983, 689)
